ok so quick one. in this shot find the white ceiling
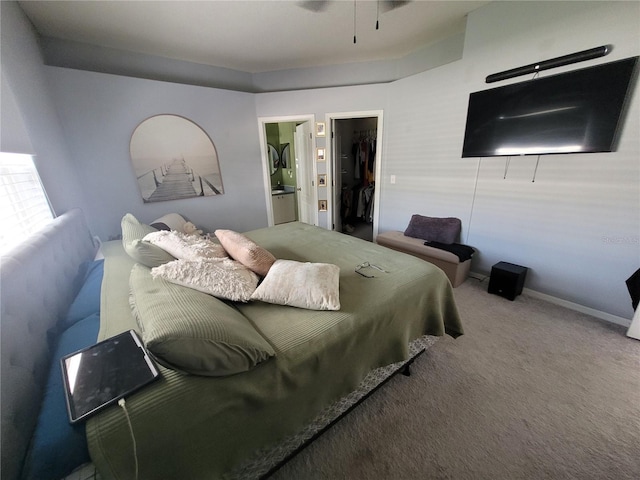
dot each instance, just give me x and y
(254, 36)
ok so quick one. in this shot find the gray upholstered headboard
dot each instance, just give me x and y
(36, 289)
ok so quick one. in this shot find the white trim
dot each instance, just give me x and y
(564, 303)
(266, 175)
(578, 308)
(330, 165)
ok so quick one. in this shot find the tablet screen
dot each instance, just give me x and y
(103, 373)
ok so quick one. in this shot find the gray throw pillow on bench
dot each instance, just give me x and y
(434, 229)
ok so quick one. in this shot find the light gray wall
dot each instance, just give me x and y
(28, 111)
(320, 102)
(13, 133)
(578, 225)
(99, 113)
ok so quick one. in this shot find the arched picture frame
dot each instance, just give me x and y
(284, 157)
(174, 158)
(274, 159)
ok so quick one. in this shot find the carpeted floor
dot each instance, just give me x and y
(531, 391)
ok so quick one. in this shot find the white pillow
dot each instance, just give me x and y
(222, 278)
(185, 247)
(314, 286)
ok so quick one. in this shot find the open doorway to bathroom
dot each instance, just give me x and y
(288, 169)
(355, 158)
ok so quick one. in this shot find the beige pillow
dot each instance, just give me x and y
(185, 247)
(246, 251)
(314, 286)
(222, 278)
(142, 252)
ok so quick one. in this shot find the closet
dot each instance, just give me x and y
(356, 144)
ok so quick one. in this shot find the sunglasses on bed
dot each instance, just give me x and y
(368, 265)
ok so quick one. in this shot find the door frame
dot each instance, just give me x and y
(266, 175)
(331, 161)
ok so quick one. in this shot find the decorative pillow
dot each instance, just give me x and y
(185, 247)
(246, 251)
(170, 221)
(191, 331)
(87, 301)
(314, 286)
(433, 229)
(224, 278)
(142, 252)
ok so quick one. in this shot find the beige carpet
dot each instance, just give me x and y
(531, 391)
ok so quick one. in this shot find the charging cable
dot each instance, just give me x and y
(122, 403)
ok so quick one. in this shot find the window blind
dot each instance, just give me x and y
(24, 207)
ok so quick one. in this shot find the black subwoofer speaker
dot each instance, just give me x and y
(507, 280)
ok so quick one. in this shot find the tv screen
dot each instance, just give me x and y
(574, 112)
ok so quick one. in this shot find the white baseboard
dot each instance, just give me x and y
(625, 322)
(579, 308)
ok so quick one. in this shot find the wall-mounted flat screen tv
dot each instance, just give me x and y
(575, 112)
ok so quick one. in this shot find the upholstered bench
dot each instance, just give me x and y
(456, 271)
(442, 233)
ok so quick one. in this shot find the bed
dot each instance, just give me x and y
(320, 364)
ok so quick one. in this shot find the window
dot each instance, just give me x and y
(24, 207)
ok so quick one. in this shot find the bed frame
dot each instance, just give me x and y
(266, 462)
(37, 287)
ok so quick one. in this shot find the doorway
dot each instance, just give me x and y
(288, 169)
(355, 165)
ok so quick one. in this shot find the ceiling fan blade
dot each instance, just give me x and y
(314, 5)
(388, 5)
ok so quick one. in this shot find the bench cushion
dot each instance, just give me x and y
(455, 270)
(414, 246)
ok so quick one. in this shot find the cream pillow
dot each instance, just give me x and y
(222, 278)
(246, 251)
(185, 247)
(314, 286)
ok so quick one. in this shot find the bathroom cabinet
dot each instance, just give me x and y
(284, 209)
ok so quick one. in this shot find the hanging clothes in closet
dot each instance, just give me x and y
(364, 154)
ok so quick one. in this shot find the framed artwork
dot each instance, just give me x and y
(320, 129)
(322, 180)
(173, 158)
(320, 154)
(322, 205)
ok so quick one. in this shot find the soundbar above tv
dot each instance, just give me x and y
(575, 112)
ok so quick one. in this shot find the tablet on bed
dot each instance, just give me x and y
(102, 374)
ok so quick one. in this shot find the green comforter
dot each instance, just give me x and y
(202, 427)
